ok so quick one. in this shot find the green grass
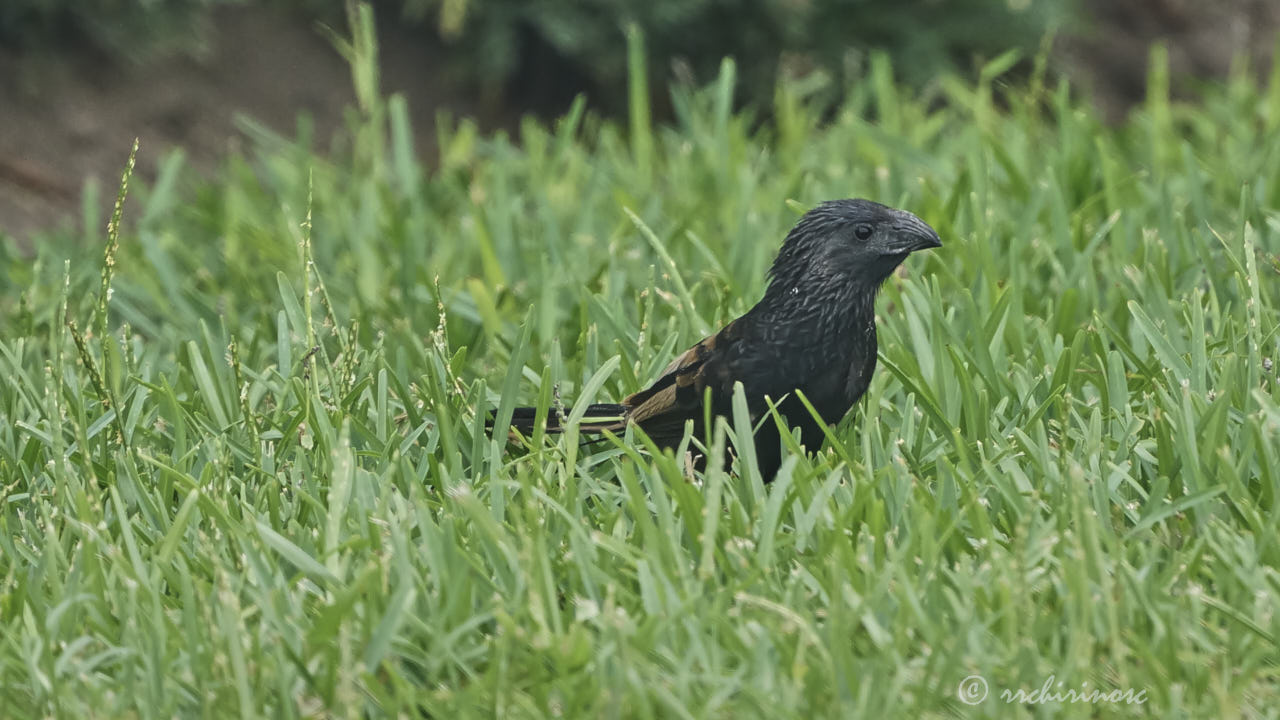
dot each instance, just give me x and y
(243, 469)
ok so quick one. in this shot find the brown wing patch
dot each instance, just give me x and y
(654, 405)
(677, 395)
(667, 378)
(686, 364)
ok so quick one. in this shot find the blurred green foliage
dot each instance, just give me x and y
(541, 48)
(131, 29)
(500, 38)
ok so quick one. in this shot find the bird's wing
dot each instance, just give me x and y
(677, 395)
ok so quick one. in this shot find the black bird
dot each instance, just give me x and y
(814, 331)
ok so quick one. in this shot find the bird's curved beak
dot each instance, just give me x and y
(912, 234)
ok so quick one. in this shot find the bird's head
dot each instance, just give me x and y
(857, 240)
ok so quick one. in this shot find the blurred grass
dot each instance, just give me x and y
(265, 489)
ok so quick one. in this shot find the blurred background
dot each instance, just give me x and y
(79, 79)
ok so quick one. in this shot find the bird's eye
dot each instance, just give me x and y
(862, 232)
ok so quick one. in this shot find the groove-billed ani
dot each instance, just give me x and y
(814, 331)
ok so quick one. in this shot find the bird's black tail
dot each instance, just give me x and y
(598, 418)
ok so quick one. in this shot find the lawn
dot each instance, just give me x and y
(244, 471)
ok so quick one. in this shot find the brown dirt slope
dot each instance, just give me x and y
(73, 117)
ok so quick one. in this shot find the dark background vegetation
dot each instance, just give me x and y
(80, 78)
